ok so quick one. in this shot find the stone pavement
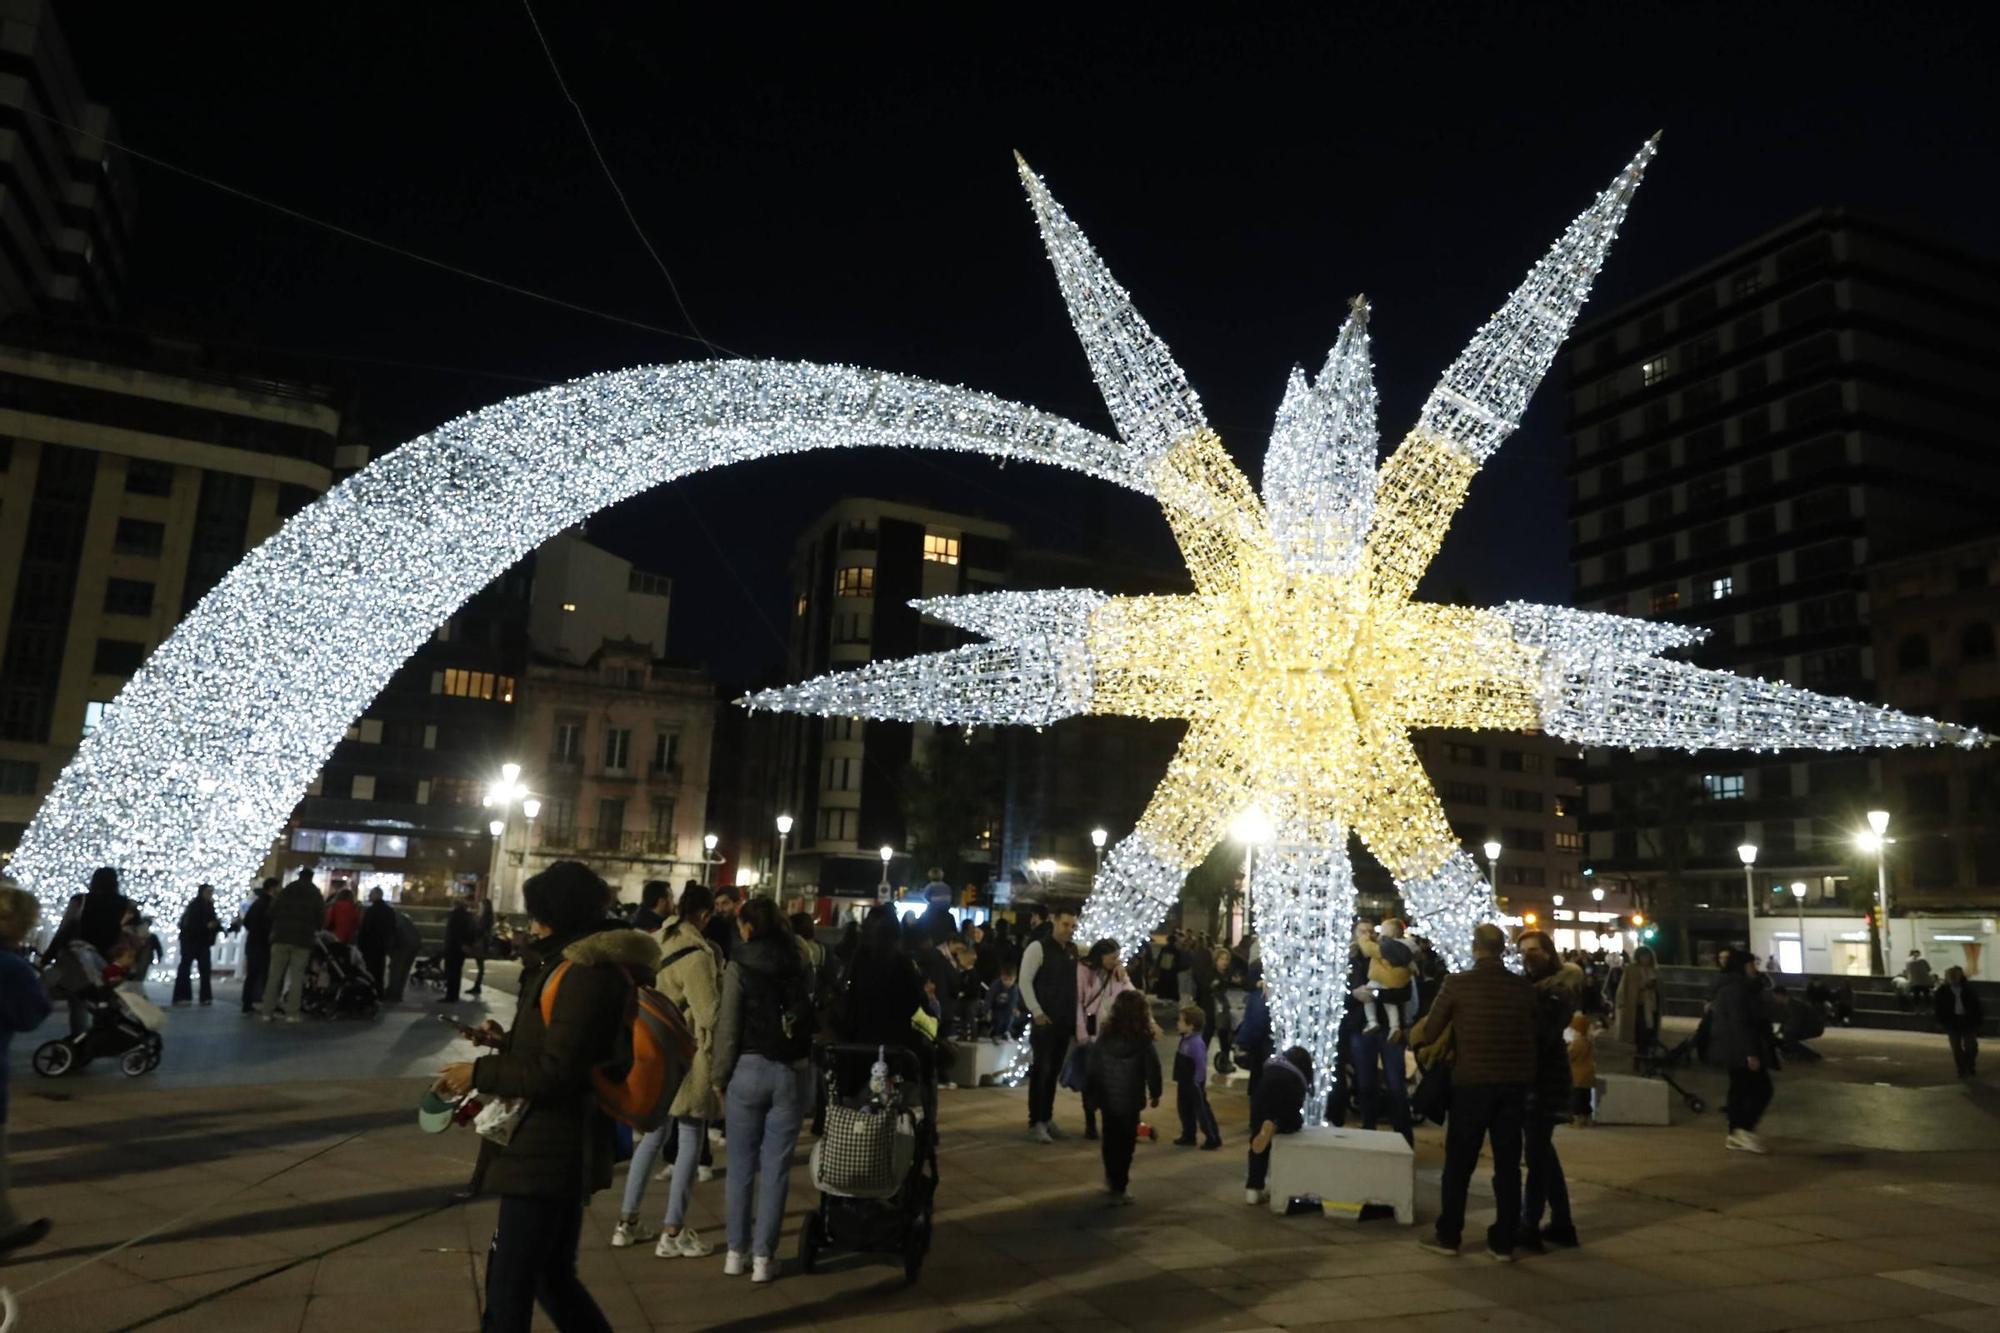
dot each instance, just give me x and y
(301, 1197)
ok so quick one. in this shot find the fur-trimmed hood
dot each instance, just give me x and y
(634, 950)
(1567, 978)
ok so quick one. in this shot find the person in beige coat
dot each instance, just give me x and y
(1638, 1003)
(690, 976)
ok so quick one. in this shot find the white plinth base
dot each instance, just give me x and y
(1626, 1099)
(1345, 1166)
(980, 1062)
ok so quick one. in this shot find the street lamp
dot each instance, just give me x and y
(496, 828)
(1492, 850)
(504, 795)
(1876, 839)
(709, 860)
(882, 889)
(1747, 854)
(1556, 900)
(1251, 827)
(1597, 895)
(1098, 837)
(784, 836)
(1799, 896)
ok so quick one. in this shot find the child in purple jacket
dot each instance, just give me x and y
(1191, 1083)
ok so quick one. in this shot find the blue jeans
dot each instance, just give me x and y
(1371, 1049)
(691, 1132)
(765, 1105)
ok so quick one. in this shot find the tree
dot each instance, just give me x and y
(949, 793)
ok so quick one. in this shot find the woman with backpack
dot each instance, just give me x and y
(689, 976)
(761, 1069)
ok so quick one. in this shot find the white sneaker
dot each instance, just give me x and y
(704, 1174)
(665, 1173)
(683, 1244)
(1055, 1131)
(1124, 1198)
(761, 1269)
(629, 1233)
(1742, 1140)
(1255, 1197)
(732, 1263)
(1039, 1133)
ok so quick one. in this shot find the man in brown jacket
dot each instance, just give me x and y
(1491, 1014)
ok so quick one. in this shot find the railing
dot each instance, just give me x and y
(614, 841)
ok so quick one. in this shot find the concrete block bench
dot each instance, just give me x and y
(1345, 1166)
(1627, 1099)
(979, 1063)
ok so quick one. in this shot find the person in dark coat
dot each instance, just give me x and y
(1958, 1011)
(104, 909)
(1122, 1077)
(199, 927)
(1277, 1108)
(562, 1147)
(457, 939)
(255, 923)
(24, 1004)
(377, 937)
(721, 930)
(882, 991)
(403, 953)
(295, 918)
(482, 944)
(655, 900)
(1254, 1037)
(1739, 1040)
(1558, 997)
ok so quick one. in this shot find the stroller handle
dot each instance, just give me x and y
(901, 1060)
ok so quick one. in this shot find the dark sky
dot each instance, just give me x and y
(842, 190)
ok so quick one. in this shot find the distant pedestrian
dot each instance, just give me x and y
(1123, 1074)
(656, 900)
(403, 954)
(1048, 985)
(23, 1006)
(1739, 1040)
(1558, 994)
(255, 923)
(199, 927)
(1637, 1002)
(295, 918)
(458, 927)
(1958, 1011)
(1191, 1083)
(1253, 1031)
(722, 926)
(482, 944)
(343, 916)
(1491, 1013)
(377, 937)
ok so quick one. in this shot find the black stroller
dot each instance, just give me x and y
(876, 1164)
(337, 981)
(1657, 1061)
(118, 1026)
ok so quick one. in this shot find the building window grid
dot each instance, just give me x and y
(854, 581)
(940, 549)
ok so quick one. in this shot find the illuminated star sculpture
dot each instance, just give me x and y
(1300, 662)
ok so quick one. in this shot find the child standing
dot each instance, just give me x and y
(1003, 1005)
(1123, 1075)
(1191, 1083)
(1582, 1069)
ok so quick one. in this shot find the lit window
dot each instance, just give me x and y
(1652, 372)
(1568, 841)
(944, 550)
(476, 685)
(1723, 786)
(854, 581)
(93, 715)
(569, 606)
(800, 609)
(1665, 599)
(1719, 588)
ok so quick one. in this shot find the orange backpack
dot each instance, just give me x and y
(639, 1087)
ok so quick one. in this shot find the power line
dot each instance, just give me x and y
(353, 235)
(612, 180)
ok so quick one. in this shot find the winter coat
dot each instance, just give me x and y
(881, 993)
(1095, 993)
(769, 959)
(1122, 1073)
(409, 940)
(1253, 1031)
(1582, 1053)
(295, 914)
(1741, 1025)
(1638, 985)
(378, 928)
(343, 918)
(1557, 997)
(103, 918)
(1945, 1005)
(563, 1146)
(458, 930)
(199, 925)
(693, 981)
(1491, 1012)
(257, 927)
(23, 1006)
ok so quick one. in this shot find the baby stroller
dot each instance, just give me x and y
(876, 1165)
(123, 1022)
(1656, 1062)
(337, 981)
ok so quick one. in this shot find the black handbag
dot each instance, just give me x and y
(1432, 1099)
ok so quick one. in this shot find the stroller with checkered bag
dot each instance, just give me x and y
(875, 1166)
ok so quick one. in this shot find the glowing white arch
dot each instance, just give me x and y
(205, 752)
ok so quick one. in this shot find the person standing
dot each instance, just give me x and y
(1739, 1040)
(457, 938)
(722, 925)
(656, 898)
(482, 944)
(1491, 1013)
(562, 1147)
(1558, 988)
(1191, 1083)
(199, 926)
(763, 1037)
(255, 923)
(408, 943)
(103, 918)
(1100, 980)
(1253, 1031)
(377, 937)
(1958, 1011)
(1637, 1001)
(343, 917)
(1380, 1043)
(23, 1006)
(1048, 984)
(295, 917)
(1123, 1076)
(690, 976)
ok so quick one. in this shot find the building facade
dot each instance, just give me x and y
(65, 197)
(1523, 791)
(1746, 442)
(128, 488)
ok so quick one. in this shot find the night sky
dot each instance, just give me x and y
(841, 189)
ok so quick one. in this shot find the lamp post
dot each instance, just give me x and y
(709, 859)
(1098, 837)
(503, 796)
(882, 889)
(1251, 827)
(784, 836)
(1876, 839)
(1597, 895)
(1799, 896)
(1747, 854)
(1492, 850)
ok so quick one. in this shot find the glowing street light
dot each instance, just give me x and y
(882, 889)
(1492, 850)
(1747, 854)
(1799, 896)
(1876, 839)
(1098, 837)
(1251, 827)
(784, 836)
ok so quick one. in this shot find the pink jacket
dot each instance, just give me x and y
(1094, 993)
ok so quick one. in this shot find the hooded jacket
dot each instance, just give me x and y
(693, 981)
(772, 957)
(1740, 1027)
(296, 913)
(1557, 998)
(563, 1146)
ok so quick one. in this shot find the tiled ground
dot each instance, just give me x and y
(316, 1205)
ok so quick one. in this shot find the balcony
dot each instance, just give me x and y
(605, 842)
(664, 772)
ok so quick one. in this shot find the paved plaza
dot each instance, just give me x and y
(280, 1185)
